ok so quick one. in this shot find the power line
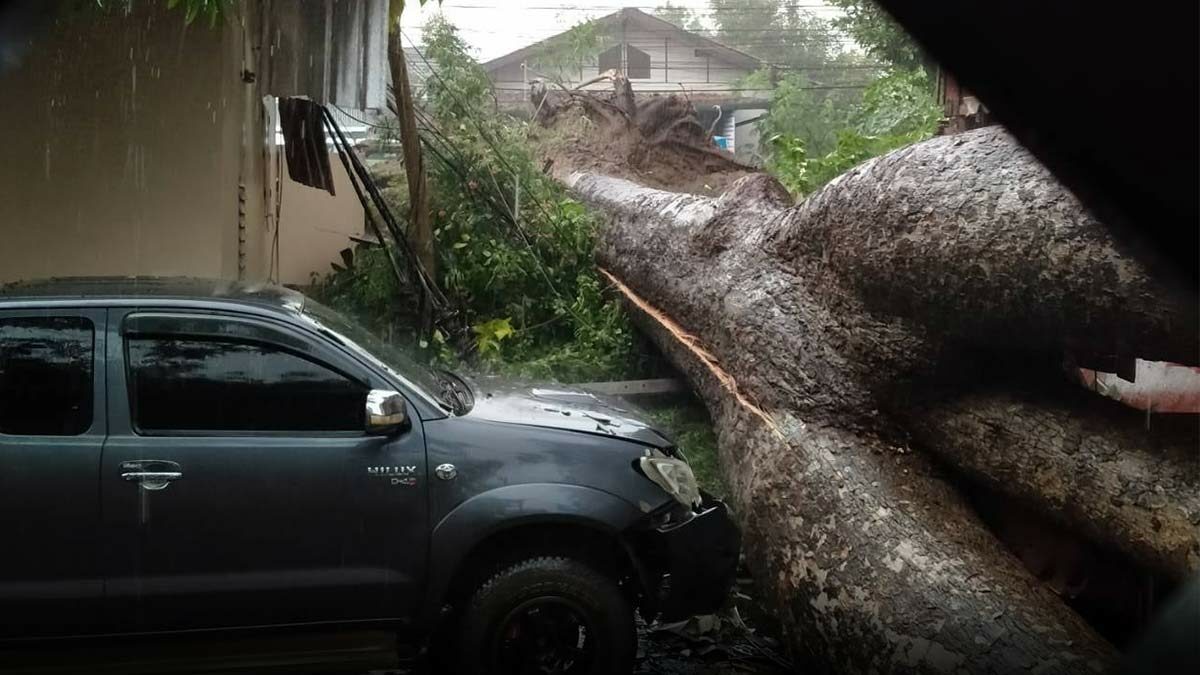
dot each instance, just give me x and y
(712, 34)
(701, 65)
(707, 31)
(714, 90)
(754, 37)
(650, 8)
(363, 122)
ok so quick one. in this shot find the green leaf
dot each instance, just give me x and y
(489, 334)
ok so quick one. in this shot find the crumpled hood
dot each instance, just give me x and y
(562, 407)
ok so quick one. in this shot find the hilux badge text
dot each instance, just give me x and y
(396, 475)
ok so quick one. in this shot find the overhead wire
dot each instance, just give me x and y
(646, 8)
(504, 162)
(727, 90)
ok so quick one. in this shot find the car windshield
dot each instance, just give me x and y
(366, 344)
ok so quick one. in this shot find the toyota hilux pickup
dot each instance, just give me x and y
(186, 455)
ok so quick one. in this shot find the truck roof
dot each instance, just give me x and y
(130, 290)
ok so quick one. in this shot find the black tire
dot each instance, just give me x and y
(547, 595)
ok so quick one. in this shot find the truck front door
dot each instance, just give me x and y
(239, 487)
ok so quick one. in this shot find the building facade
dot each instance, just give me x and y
(143, 145)
(658, 57)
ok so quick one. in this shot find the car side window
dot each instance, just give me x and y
(185, 384)
(46, 370)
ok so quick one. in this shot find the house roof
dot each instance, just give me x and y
(636, 17)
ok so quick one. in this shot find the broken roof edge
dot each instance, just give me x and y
(724, 52)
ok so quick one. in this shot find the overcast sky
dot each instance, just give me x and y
(497, 27)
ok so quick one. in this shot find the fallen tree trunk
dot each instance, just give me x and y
(873, 561)
(800, 342)
(1087, 463)
(971, 236)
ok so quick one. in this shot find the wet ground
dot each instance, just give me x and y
(741, 639)
(709, 645)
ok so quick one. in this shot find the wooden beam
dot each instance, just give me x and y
(636, 387)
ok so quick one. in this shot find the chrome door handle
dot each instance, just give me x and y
(151, 474)
(152, 480)
(148, 476)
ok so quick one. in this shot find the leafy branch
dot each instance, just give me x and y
(213, 10)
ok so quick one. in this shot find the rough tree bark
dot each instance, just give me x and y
(808, 319)
(420, 233)
(1089, 463)
(871, 558)
(974, 238)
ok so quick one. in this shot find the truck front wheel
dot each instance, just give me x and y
(547, 615)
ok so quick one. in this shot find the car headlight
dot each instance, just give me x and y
(672, 475)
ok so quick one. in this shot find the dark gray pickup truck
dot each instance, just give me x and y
(182, 455)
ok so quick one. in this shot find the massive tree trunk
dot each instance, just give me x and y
(1088, 463)
(817, 333)
(975, 239)
(871, 558)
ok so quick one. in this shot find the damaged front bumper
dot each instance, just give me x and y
(689, 559)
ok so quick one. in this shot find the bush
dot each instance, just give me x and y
(529, 292)
(897, 110)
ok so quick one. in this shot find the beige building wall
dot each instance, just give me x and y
(315, 226)
(124, 136)
(134, 145)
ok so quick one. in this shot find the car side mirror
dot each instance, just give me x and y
(387, 413)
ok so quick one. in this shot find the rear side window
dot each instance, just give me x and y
(46, 376)
(194, 385)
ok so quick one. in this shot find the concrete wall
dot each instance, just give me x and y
(315, 226)
(133, 144)
(122, 148)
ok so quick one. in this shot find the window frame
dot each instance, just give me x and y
(203, 326)
(629, 65)
(619, 49)
(623, 63)
(98, 319)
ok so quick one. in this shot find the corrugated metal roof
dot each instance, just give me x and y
(332, 51)
(722, 52)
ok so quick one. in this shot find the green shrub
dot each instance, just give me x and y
(897, 110)
(529, 292)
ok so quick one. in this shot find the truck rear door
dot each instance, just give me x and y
(52, 428)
